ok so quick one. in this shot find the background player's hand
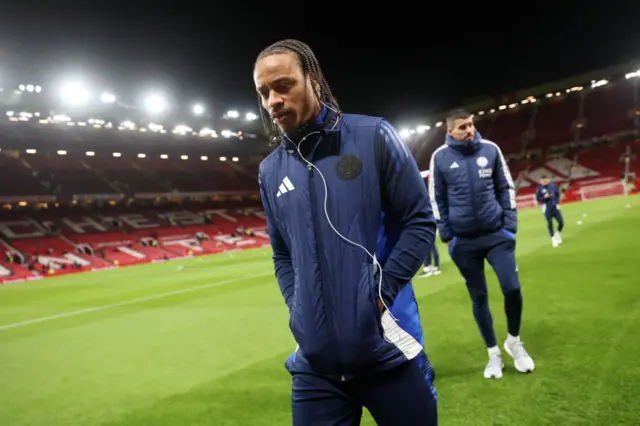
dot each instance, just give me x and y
(380, 306)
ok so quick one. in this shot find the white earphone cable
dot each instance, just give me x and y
(376, 263)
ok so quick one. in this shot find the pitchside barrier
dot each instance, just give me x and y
(585, 192)
(53, 272)
(582, 193)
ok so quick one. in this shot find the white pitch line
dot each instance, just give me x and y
(127, 302)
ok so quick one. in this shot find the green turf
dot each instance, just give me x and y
(206, 345)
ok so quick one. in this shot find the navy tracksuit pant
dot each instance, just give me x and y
(397, 397)
(469, 255)
(553, 213)
(433, 252)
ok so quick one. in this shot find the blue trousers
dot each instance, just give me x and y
(398, 397)
(469, 256)
(553, 213)
(433, 252)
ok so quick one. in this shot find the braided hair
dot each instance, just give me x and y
(310, 67)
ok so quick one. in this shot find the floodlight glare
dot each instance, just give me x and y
(155, 104)
(74, 94)
(233, 114)
(251, 116)
(198, 109)
(107, 98)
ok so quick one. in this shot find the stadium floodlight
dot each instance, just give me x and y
(30, 151)
(235, 159)
(117, 154)
(30, 88)
(598, 83)
(204, 158)
(107, 98)
(61, 118)
(198, 109)
(155, 104)
(251, 116)
(74, 94)
(182, 130)
(141, 155)
(226, 133)
(439, 123)
(38, 89)
(223, 158)
(62, 152)
(422, 129)
(233, 114)
(90, 153)
(405, 133)
(9, 113)
(22, 87)
(632, 74)
(184, 157)
(127, 125)
(206, 132)
(164, 156)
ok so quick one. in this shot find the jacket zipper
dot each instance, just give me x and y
(327, 300)
(472, 188)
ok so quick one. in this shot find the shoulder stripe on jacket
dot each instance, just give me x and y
(507, 174)
(432, 183)
(395, 142)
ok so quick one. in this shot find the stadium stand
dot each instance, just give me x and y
(86, 195)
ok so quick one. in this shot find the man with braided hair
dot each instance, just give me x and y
(350, 224)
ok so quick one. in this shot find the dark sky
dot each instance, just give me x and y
(397, 59)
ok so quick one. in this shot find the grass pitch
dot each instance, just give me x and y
(205, 344)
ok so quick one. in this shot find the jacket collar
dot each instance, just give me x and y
(325, 142)
(466, 147)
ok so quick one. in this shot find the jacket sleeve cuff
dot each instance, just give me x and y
(445, 234)
(387, 294)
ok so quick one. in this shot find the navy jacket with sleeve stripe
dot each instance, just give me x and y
(471, 189)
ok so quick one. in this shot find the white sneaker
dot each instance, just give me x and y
(426, 272)
(554, 242)
(521, 359)
(435, 271)
(494, 367)
(557, 237)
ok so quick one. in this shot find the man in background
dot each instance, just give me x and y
(473, 200)
(431, 263)
(548, 194)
